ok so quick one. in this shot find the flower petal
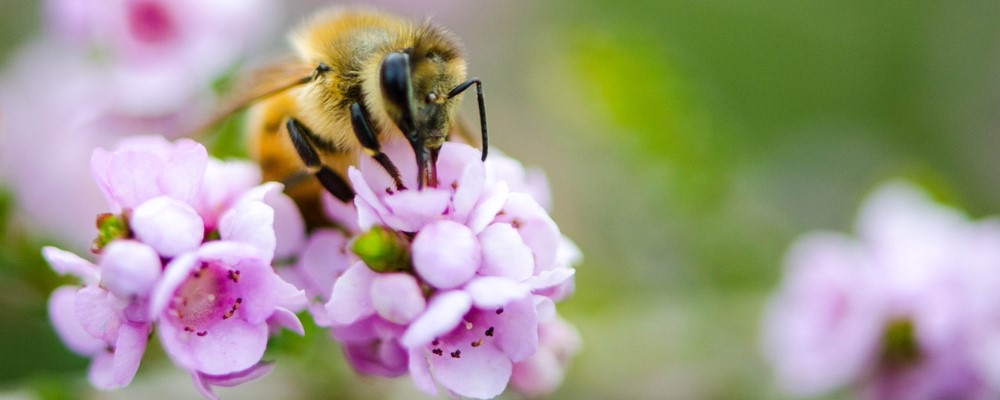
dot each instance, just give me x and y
(116, 370)
(481, 372)
(494, 291)
(516, 329)
(175, 273)
(66, 263)
(204, 382)
(505, 254)
(446, 254)
(182, 175)
(397, 297)
(282, 318)
(130, 268)
(412, 209)
(490, 203)
(100, 313)
(228, 346)
(251, 223)
(443, 314)
(420, 371)
(168, 225)
(62, 314)
(351, 298)
(537, 229)
(378, 357)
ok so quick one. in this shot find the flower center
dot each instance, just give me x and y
(205, 297)
(149, 22)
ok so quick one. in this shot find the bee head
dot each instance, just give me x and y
(415, 86)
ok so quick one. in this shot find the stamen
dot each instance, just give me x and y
(477, 343)
(454, 184)
(435, 342)
(202, 333)
(500, 311)
(234, 275)
(468, 325)
(456, 354)
(438, 352)
(188, 329)
(516, 224)
(489, 332)
(389, 191)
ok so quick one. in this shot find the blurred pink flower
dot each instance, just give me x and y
(543, 372)
(898, 312)
(126, 67)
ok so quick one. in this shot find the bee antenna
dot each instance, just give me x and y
(482, 107)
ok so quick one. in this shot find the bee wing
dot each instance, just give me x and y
(258, 84)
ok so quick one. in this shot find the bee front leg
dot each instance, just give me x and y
(332, 181)
(365, 135)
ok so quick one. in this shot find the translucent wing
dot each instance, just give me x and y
(258, 84)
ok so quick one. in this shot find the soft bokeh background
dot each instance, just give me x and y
(687, 144)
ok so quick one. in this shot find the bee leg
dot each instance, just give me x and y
(482, 107)
(332, 181)
(363, 131)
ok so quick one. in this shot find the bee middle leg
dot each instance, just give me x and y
(332, 181)
(365, 135)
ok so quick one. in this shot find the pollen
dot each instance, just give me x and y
(500, 311)
(477, 343)
(489, 332)
(456, 354)
(438, 352)
(234, 275)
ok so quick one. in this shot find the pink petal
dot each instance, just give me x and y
(468, 190)
(128, 178)
(397, 297)
(537, 229)
(420, 371)
(228, 346)
(116, 370)
(66, 263)
(168, 225)
(62, 314)
(343, 214)
(517, 329)
(505, 254)
(100, 313)
(398, 150)
(455, 159)
(480, 373)
(495, 291)
(181, 177)
(550, 278)
(365, 196)
(324, 258)
(289, 227)
(204, 382)
(250, 223)
(490, 203)
(443, 314)
(262, 289)
(379, 357)
(175, 273)
(413, 209)
(446, 254)
(223, 183)
(130, 268)
(282, 318)
(545, 308)
(351, 298)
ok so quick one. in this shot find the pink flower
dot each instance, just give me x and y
(464, 307)
(899, 312)
(207, 286)
(213, 306)
(94, 322)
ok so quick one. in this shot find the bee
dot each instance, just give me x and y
(361, 77)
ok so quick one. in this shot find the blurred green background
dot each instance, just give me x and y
(687, 144)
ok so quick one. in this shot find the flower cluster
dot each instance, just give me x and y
(187, 250)
(453, 284)
(906, 310)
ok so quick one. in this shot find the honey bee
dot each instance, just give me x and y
(361, 77)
